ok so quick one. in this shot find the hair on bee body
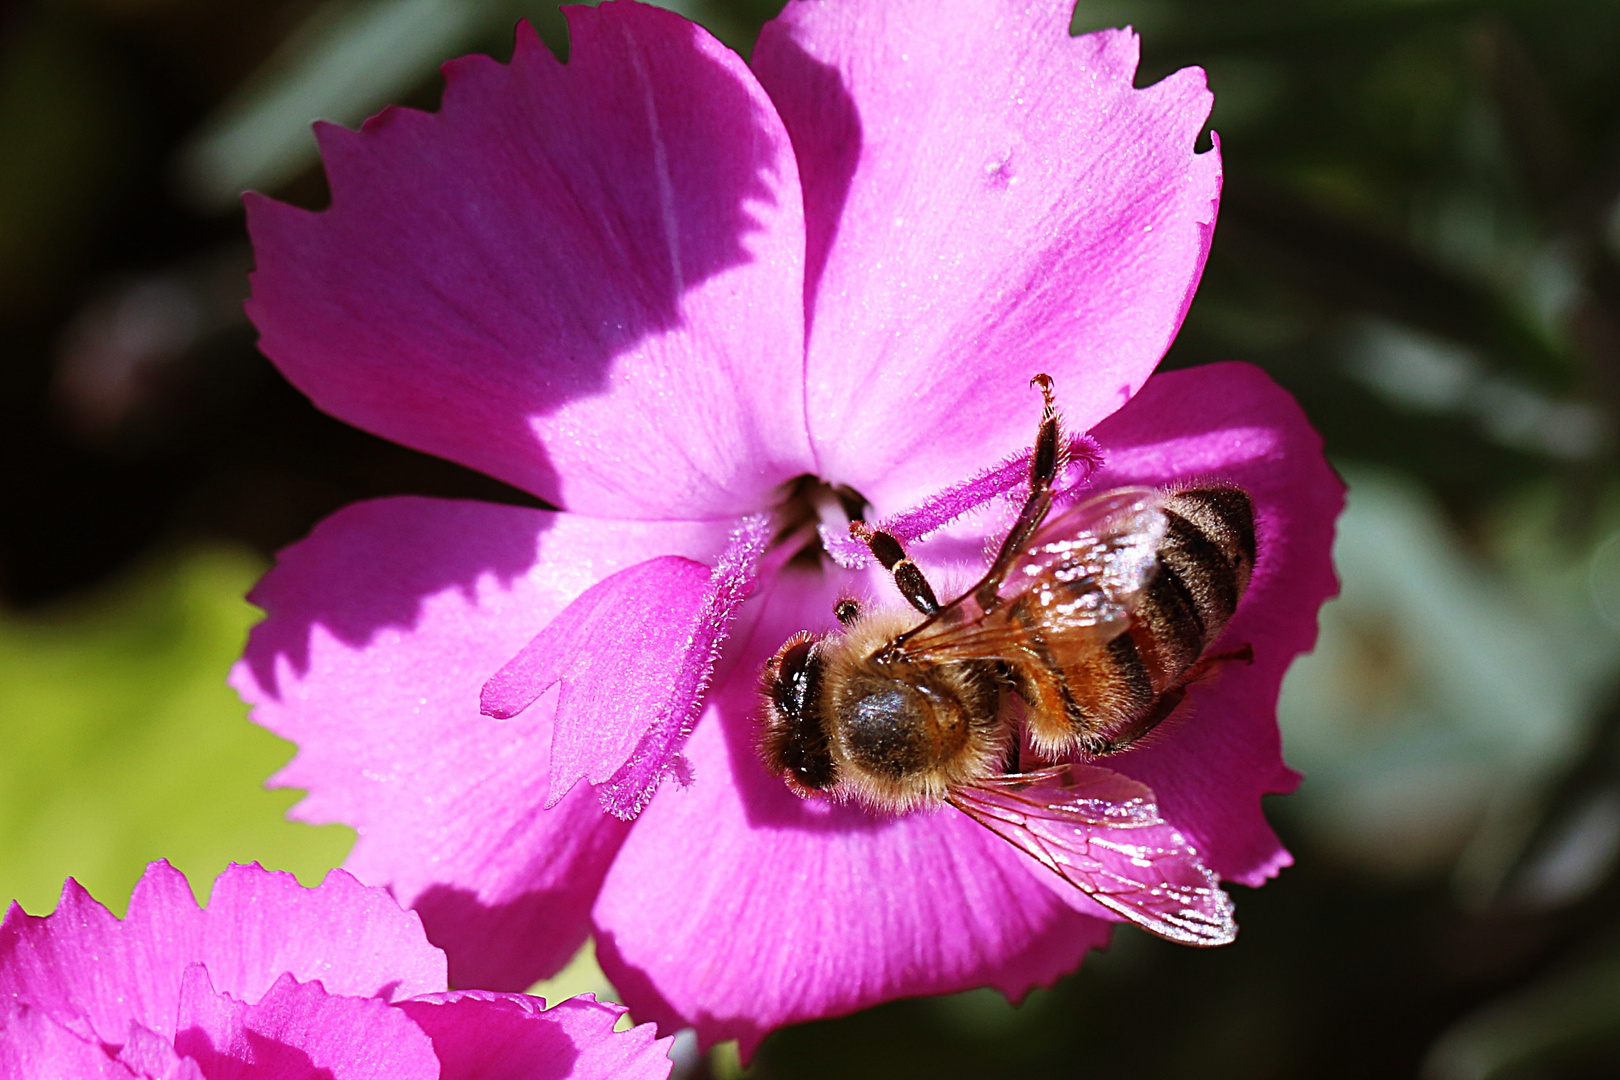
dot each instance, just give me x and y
(893, 710)
(905, 734)
(1081, 639)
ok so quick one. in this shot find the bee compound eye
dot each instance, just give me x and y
(805, 758)
(796, 677)
(800, 742)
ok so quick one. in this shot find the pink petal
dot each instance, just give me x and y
(730, 583)
(635, 653)
(585, 279)
(34, 1046)
(76, 965)
(381, 629)
(1230, 422)
(735, 907)
(483, 1036)
(97, 974)
(147, 1053)
(355, 940)
(298, 1031)
(986, 198)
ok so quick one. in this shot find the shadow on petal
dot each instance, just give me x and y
(552, 235)
(371, 565)
(828, 152)
(506, 946)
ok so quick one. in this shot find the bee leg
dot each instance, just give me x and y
(1206, 667)
(908, 578)
(1131, 732)
(1049, 459)
(1173, 697)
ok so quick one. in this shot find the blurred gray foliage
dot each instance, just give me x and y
(1441, 697)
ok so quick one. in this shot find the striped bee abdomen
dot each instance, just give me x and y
(1203, 567)
(1204, 561)
(1222, 518)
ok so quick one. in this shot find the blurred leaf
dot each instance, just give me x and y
(124, 745)
(1437, 699)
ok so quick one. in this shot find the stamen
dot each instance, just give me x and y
(944, 507)
(627, 791)
(829, 507)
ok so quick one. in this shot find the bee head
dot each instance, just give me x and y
(794, 742)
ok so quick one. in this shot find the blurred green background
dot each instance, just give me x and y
(1419, 236)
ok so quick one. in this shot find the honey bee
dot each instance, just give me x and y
(1081, 638)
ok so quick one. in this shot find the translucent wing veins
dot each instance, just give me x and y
(1076, 580)
(1102, 833)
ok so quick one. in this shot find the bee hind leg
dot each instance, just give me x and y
(1168, 701)
(1207, 666)
(1134, 731)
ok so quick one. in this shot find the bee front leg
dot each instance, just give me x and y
(1046, 463)
(908, 578)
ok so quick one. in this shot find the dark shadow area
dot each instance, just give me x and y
(825, 127)
(191, 434)
(370, 565)
(490, 946)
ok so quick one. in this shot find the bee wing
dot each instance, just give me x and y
(1076, 582)
(1101, 832)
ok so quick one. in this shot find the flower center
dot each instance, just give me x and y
(809, 509)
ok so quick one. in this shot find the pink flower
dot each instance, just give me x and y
(272, 981)
(656, 287)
